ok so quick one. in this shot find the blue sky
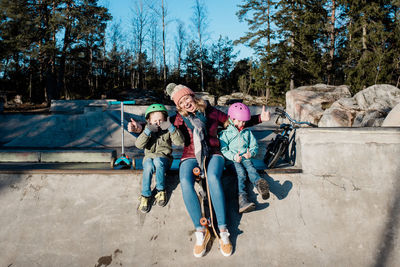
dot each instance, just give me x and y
(221, 14)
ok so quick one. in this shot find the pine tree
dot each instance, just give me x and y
(369, 48)
(192, 66)
(17, 33)
(258, 15)
(241, 69)
(303, 34)
(200, 24)
(395, 42)
(92, 24)
(222, 57)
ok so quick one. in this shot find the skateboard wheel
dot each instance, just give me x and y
(133, 164)
(203, 221)
(196, 171)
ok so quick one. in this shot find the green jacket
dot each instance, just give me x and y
(159, 144)
(232, 141)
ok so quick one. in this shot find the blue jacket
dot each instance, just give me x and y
(232, 141)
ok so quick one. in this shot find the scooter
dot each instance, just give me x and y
(123, 162)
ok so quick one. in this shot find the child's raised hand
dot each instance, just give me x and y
(135, 127)
(237, 157)
(247, 155)
(265, 115)
(152, 127)
(165, 124)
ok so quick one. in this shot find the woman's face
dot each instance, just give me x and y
(187, 103)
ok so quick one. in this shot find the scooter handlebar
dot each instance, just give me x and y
(128, 102)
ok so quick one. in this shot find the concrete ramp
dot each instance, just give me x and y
(99, 129)
(94, 127)
(90, 220)
(341, 211)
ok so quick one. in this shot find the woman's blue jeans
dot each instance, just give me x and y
(241, 168)
(187, 179)
(159, 166)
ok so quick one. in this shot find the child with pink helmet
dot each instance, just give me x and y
(238, 145)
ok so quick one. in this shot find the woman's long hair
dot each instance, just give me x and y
(200, 106)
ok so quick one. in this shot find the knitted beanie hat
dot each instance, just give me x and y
(176, 92)
(170, 88)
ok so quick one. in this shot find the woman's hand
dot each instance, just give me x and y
(265, 115)
(134, 127)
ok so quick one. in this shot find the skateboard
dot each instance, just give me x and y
(207, 211)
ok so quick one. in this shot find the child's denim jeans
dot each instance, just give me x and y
(159, 166)
(241, 168)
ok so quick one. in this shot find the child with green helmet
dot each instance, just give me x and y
(156, 140)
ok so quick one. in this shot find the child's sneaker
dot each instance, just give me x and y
(161, 198)
(144, 204)
(263, 188)
(202, 239)
(225, 245)
(244, 204)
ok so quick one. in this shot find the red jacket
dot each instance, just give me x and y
(215, 118)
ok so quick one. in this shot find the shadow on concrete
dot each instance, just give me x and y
(281, 191)
(11, 181)
(92, 129)
(233, 217)
(390, 232)
(17, 126)
(230, 186)
(171, 183)
(115, 115)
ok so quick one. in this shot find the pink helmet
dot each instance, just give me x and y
(239, 111)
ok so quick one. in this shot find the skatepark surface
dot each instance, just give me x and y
(61, 204)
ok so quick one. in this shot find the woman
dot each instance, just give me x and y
(198, 121)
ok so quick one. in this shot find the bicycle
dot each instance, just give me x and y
(283, 146)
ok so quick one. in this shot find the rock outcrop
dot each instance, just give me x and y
(367, 108)
(249, 100)
(307, 103)
(206, 96)
(393, 118)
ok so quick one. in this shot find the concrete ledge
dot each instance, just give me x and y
(19, 156)
(75, 106)
(368, 152)
(29, 155)
(78, 156)
(105, 168)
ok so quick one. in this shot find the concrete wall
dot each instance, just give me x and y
(343, 210)
(353, 176)
(356, 152)
(78, 125)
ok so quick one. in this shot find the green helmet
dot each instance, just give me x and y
(154, 108)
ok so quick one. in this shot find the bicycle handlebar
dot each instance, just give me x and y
(283, 113)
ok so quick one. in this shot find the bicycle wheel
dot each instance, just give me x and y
(274, 153)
